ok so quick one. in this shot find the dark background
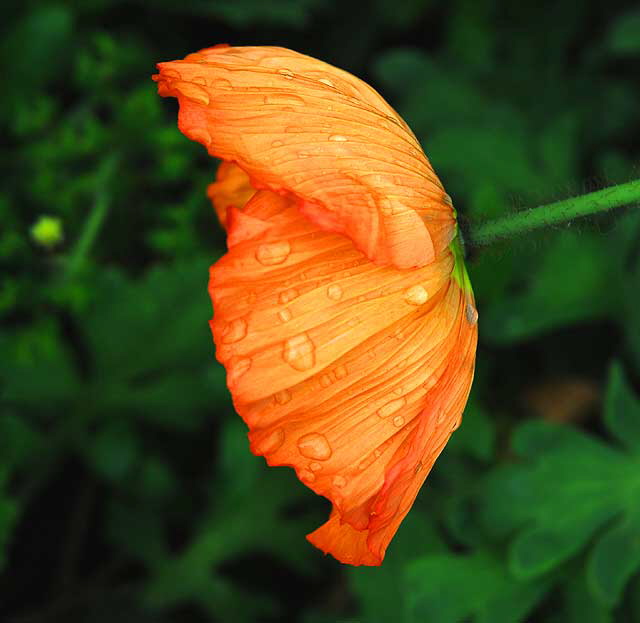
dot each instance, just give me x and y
(127, 491)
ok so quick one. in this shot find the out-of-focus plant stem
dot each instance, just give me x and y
(552, 214)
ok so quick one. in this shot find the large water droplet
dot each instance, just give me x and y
(314, 446)
(273, 253)
(339, 481)
(315, 467)
(284, 315)
(338, 138)
(287, 295)
(272, 442)
(334, 292)
(398, 421)
(299, 352)
(283, 397)
(234, 331)
(391, 407)
(416, 295)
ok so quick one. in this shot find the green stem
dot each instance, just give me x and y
(554, 213)
(95, 219)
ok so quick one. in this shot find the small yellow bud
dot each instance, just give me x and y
(47, 231)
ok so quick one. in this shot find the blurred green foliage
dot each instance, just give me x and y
(127, 491)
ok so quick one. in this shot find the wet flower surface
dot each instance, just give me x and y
(342, 311)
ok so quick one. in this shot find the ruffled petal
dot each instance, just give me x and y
(299, 126)
(352, 373)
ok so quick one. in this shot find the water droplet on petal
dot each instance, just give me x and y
(221, 83)
(398, 421)
(277, 144)
(271, 442)
(339, 481)
(283, 397)
(325, 380)
(284, 315)
(416, 295)
(340, 372)
(315, 467)
(303, 154)
(286, 73)
(391, 407)
(299, 352)
(338, 138)
(273, 253)
(287, 295)
(471, 313)
(306, 475)
(418, 467)
(334, 292)
(314, 446)
(398, 391)
(237, 369)
(327, 82)
(234, 331)
(192, 91)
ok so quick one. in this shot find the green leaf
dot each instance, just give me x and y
(448, 589)
(614, 559)
(624, 35)
(568, 486)
(622, 409)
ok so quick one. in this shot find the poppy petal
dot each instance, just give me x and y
(301, 127)
(300, 312)
(231, 189)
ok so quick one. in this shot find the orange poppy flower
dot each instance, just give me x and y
(343, 311)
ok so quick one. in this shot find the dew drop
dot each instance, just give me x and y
(340, 372)
(334, 292)
(284, 315)
(236, 370)
(418, 467)
(277, 144)
(306, 475)
(338, 138)
(314, 446)
(221, 83)
(272, 442)
(398, 391)
(303, 154)
(391, 407)
(192, 91)
(471, 313)
(327, 82)
(325, 380)
(283, 397)
(339, 481)
(234, 331)
(287, 296)
(315, 467)
(286, 73)
(416, 295)
(299, 352)
(398, 421)
(273, 253)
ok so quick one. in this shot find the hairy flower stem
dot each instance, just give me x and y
(553, 214)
